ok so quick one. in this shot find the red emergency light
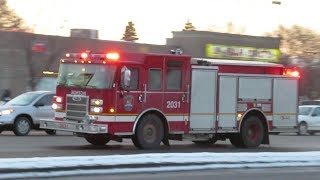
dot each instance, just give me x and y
(113, 56)
(84, 55)
(292, 72)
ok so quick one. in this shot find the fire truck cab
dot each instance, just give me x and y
(154, 98)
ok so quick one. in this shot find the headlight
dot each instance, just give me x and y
(96, 109)
(6, 111)
(56, 106)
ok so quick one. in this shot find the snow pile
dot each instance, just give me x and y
(59, 166)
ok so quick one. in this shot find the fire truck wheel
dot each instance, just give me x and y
(135, 142)
(51, 132)
(97, 139)
(208, 142)
(252, 132)
(149, 133)
(236, 141)
(22, 126)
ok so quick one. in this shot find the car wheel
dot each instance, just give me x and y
(51, 132)
(303, 128)
(311, 132)
(22, 126)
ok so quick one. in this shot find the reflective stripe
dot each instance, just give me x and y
(269, 118)
(121, 118)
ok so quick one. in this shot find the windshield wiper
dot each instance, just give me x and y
(92, 86)
(76, 85)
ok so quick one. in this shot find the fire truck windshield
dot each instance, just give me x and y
(86, 75)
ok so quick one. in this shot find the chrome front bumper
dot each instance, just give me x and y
(73, 126)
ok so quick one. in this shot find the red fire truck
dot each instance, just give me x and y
(154, 98)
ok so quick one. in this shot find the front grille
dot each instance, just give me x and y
(77, 107)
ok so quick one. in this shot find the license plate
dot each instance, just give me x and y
(63, 126)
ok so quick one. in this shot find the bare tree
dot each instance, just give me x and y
(298, 41)
(9, 20)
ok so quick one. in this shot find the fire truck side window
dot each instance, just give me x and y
(173, 79)
(174, 75)
(154, 82)
(134, 78)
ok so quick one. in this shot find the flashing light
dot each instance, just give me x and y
(57, 99)
(96, 102)
(295, 73)
(292, 72)
(84, 55)
(48, 72)
(111, 110)
(68, 55)
(113, 56)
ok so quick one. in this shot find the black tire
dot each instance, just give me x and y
(252, 132)
(22, 126)
(311, 133)
(303, 128)
(149, 132)
(97, 139)
(204, 143)
(135, 142)
(236, 140)
(51, 132)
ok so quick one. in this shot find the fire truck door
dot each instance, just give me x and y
(128, 103)
(152, 93)
(203, 98)
(175, 94)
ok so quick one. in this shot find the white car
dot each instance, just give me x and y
(309, 119)
(22, 113)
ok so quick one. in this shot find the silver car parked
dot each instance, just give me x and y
(22, 113)
(309, 119)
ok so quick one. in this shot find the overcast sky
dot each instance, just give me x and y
(154, 20)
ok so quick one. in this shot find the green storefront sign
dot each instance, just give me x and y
(242, 53)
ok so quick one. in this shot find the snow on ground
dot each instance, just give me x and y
(166, 162)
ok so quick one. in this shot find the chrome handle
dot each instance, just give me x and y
(188, 93)
(140, 98)
(183, 97)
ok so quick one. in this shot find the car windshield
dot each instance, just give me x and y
(304, 110)
(23, 99)
(86, 75)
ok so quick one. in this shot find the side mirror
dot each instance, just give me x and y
(313, 114)
(38, 104)
(125, 78)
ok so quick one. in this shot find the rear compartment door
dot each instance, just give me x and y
(203, 98)
(285, 103)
